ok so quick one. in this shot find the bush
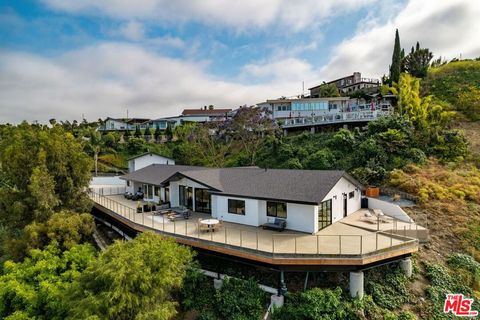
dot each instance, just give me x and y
(239, 300)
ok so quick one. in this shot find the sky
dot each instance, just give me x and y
(74, 59)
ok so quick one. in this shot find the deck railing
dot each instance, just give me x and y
(264, 242)
(337, 118)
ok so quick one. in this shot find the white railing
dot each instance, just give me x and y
(268, 242)
(337, 118)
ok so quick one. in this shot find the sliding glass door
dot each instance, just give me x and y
(186, 197)
(202, 201)
(324, 214)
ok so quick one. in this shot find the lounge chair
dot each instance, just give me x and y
(277, 224)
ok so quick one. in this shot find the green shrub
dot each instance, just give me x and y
(239, 299)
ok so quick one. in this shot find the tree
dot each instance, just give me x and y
(147, 133)
(169, 132)
(250, 126)
(328, 90)
(157, 134)
(37, 287)
(43, 168)
(132, 280)
(137, 133)
(417, 62)
(98, 145)
(395, 67)
(127, 135)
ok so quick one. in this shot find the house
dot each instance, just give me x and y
(190, 115)
(308, 200)
(349, 84)
(122, 124)
(143, 160)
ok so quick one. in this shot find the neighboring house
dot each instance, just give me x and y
(146, 159)
(350, 84)
(190, 115)
(309, 200)
(122, 124)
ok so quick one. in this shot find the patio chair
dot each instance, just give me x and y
(369, 218)
(218, 226)
(201, 226)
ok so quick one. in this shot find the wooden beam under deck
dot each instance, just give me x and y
(271, 258)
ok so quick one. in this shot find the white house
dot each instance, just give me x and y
(308, 200)
(143, 160)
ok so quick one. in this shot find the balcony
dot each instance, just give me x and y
(340, 117)
(349, 242)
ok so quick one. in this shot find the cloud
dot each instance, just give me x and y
(243, 14)
(448, 28)
(107, 78)
(132, 30)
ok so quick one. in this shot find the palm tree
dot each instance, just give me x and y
(97, 146)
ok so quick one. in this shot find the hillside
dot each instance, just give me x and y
(457, 83)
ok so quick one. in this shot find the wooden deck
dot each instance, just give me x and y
(338, 244)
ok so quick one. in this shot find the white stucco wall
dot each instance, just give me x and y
(146, 160)
(300, 217)
(354, 204)
(220, 210)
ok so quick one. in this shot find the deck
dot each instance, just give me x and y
(349, 242)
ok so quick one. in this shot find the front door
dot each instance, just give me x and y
(345, 210)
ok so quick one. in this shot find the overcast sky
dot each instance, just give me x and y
(67, 58)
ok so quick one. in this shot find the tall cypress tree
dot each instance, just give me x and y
(396, 60)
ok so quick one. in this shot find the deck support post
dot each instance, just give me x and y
(356, 284)
(282, 288)
(312, 130)
(277, 301)
(284, 132)
(306, 282)
(217, 283)
(406, 266)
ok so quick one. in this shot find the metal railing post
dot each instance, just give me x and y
(273, 243)
(174, 227)
(361, 244)
(318, 245)
(241, 238)
(295, 238)
(226, 241)
(376, 241)
(185, 227)
(340, 244)
(256, 233)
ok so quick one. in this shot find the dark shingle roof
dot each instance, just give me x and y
(303, 186)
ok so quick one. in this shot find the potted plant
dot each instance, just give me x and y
(139, 207)
(153, 207)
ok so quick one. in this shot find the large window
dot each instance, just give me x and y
(236, 206)
(324, 214)
(277, 209)
(157, 191)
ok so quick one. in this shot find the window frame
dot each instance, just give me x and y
(351, 195)
(237, 209)
(272, 209)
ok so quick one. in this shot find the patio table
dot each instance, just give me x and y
(210, 223)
